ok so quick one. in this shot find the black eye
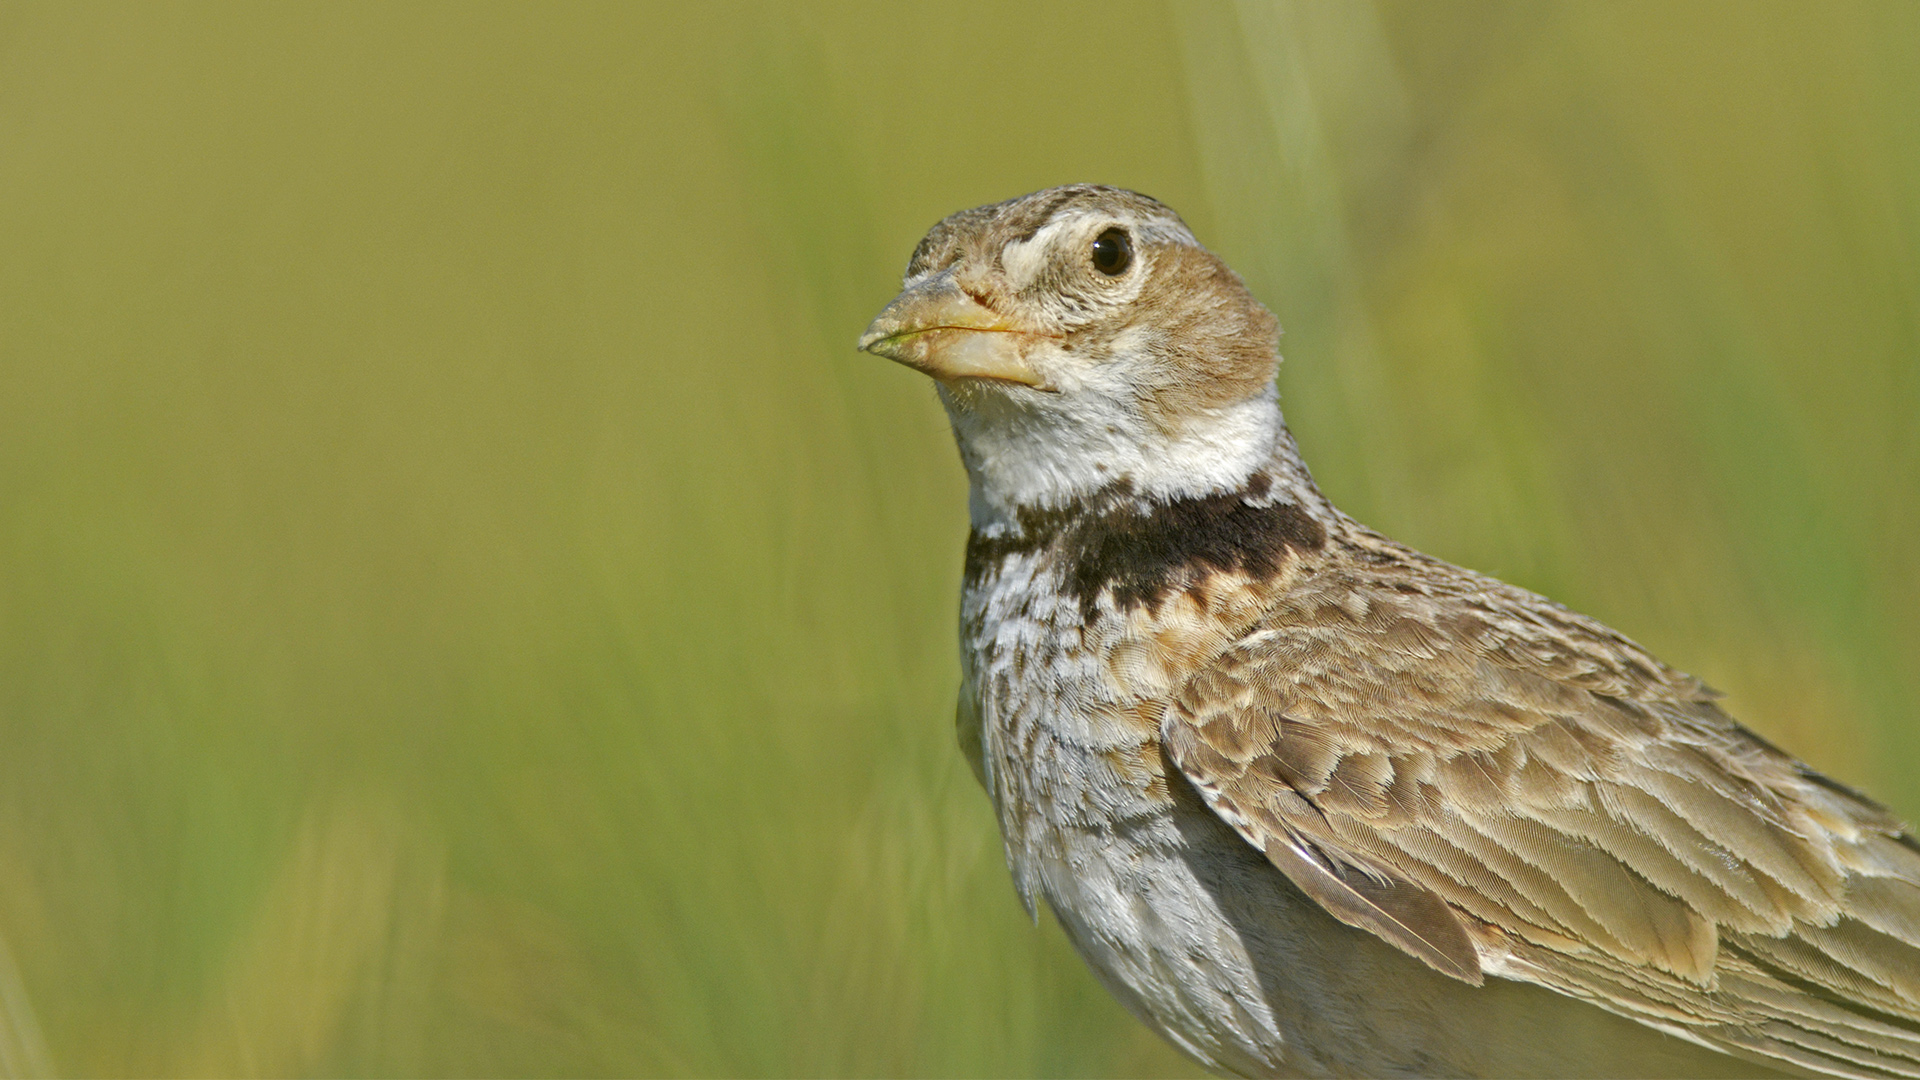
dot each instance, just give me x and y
(1113, 252)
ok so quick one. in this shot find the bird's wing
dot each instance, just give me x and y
(1498, 786)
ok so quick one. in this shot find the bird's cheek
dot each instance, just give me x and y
(1059, 366)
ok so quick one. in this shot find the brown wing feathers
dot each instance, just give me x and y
(1475, 765)
(1357, 891)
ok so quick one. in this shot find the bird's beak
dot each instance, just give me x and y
(936, 328)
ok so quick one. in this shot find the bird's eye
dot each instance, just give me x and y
(1113, 252)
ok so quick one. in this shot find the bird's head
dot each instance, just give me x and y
(1080, 339)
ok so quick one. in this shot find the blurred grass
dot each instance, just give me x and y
(464, 608)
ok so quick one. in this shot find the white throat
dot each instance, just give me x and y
(1019, 455)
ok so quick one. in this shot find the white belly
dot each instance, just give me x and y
(1151, 924)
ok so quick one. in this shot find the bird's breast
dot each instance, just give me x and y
(1069, 699)
(1069, 687)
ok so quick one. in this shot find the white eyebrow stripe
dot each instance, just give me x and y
(1022, 259)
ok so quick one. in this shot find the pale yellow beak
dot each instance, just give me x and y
(936, 328)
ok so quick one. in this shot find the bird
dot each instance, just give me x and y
(1309, 802)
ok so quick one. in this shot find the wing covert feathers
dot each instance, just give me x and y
(1493, 783)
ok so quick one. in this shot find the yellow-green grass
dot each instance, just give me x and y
(466, 609)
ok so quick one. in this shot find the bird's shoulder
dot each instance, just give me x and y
(1396, 604)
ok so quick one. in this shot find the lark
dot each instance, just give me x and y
(1310, 802)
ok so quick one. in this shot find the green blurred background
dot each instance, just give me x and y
(466, 609)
